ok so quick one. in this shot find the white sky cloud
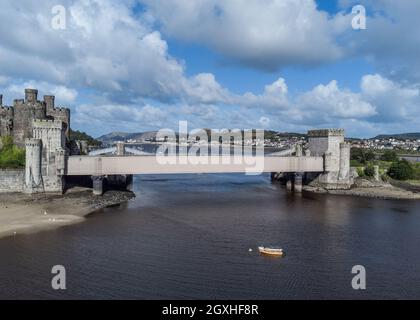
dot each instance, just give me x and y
(113, 64)
(264, 35)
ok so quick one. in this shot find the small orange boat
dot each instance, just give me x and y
(271, 252)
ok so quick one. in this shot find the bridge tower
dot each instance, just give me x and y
(331, 145)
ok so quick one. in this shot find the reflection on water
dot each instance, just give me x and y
(189, 237)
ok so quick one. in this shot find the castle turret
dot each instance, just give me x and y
(25, 111)
(49, 102)
(18, 120)
(345, 153)
(62, 114)
(6, 119)
(31, 95)
(33, 176)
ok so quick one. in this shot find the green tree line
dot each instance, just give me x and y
(11, 157)
(395, 168)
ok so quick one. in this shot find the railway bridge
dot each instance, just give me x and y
(326, 162)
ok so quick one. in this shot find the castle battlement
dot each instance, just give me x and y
(21, 103)
(326, 133)
(18, 102)
(20, 120)
(63, 111)
(46, 123)
(33, 142)
(6, 110)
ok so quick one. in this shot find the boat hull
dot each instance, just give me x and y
(271, 252)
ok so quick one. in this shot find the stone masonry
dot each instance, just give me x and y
(17, 121)
(50, 134)
(43, 130)
(330, 144)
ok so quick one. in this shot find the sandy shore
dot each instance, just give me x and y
(23, 214)
(383, 192)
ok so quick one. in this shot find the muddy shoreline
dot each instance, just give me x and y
(385, 192)
(25, 214)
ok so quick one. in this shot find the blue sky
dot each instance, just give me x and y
(288, 65)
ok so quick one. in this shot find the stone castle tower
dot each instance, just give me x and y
(330, 144)
(44, 131)
(17, 121)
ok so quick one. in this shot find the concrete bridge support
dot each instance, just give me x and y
(289, 185)
(298, 185)
(290, 181)
(98, 185)
(299, 150)
(129, 182)
(120, 149)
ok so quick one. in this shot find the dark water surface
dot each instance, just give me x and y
(188, 237)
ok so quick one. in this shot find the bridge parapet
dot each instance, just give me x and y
(183, 164)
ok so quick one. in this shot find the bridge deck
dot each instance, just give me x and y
(182, 164)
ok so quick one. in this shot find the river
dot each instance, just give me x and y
(188, 237)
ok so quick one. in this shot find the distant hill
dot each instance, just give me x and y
(402, 136)
(78, 135)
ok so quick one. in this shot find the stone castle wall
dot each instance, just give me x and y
(330, 144)
(43, 130)
(12, 180)
(61, 114)
(6, 119)
(25, 111)
(51, 136)
(17, 121)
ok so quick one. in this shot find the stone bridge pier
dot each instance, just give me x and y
(123, 181)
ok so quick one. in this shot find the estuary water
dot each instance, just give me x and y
(188, 237)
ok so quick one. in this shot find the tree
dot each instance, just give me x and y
(401, 170)
(369, 156)
(389, 156)
(361, 155)
(10, 155)
(370, 171)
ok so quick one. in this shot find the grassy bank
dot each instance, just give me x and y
(388, 162)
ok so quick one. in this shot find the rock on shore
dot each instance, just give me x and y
(365, 188)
